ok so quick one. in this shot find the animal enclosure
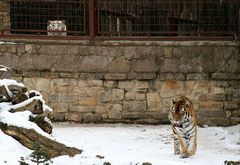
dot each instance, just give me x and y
(121, 18)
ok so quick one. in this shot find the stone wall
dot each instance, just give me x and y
(5, 15)
(130, 81)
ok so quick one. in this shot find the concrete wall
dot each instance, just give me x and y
(130, 81)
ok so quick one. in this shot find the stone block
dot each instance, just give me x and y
(154, 102)
(225, 76)
(140, 96)
(59, 107)
(112, 51)
(64, 82)
(63, 98)
(68, 75)
(43, 62)
(105, 96)
(210, 113)
(58, 117)
(145, 65)
(135, 115)
(82, 109)
(117, 94)
(141, 85)
(115, 111)
(90, 83)
(94, 76)
(92, 91)
(179, 52)
(168, 52)
(127, 85)
(142, 76)
(170, 65)
(171, 88)
(120, 65)
(110, 84)
(213, 97)
(40, 84)
(31, 74)
(134, 106)
(67, 64)
(210, 106)
(92, 118)
(74, 117)
(115, 76)
(235, 120)
(147, 121)
(49, 75)
(197, 76)
(217, 90)
(171, 76)
(88, 101)
(213, 121)
(231, 105)
(130, 96)
(96, 64)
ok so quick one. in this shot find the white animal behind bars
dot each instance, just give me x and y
(56, 28)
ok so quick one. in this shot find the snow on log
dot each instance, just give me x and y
(25, 117)
(27, 137)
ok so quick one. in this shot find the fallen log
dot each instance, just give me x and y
(28, 137)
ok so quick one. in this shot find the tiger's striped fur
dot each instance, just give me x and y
(184, 126)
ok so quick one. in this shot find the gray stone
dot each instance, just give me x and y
(170, 65)
(115, 76)
(213, 121)
(105, 96)
(117, 95)
(134, 106)
(82, 109)
(96, 64)
(171, 76)
(95, 76)
(135, 115)
(145, 65)
(92, 118)
(225, 76)
(67, 64)
(110, 84)
(74, 117)
(43, 62)
(127, 85)
(142, 76)
(197, 76)
(59, 117)
(68, 75)
(120, 65)
(115, 111)
(154, 102)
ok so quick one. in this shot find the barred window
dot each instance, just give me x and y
(120, 18)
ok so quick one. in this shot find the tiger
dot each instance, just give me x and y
(56, 28)
(184, 125)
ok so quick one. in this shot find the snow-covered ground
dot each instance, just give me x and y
(122, 144)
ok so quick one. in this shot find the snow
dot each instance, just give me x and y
(122, 144)
(20, 119)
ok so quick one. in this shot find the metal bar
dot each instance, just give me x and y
(91, 19)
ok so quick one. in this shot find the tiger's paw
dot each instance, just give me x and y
(176, 152)
(182, 156)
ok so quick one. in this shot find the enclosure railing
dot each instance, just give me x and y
(120, 19)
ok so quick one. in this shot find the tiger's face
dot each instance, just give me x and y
(178, 114)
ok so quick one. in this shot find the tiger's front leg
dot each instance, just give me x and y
(176, 143)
